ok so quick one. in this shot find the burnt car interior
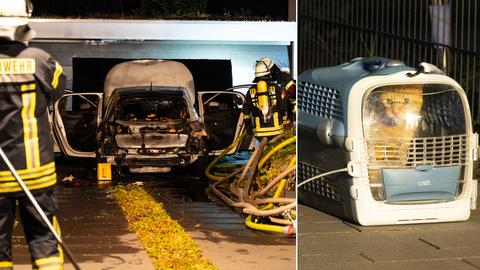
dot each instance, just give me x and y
(141, 109)
(79, 116)
(221, 115)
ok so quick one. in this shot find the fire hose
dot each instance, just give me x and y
(248, 200)
(39, 209)
(208, 172)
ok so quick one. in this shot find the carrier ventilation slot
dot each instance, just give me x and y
(321, 186)
(320, 101)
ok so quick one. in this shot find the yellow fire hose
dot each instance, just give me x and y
(276, 149)
(267, 227)
(281, 185)
(263, 227)
(275, 181)
(277, 194)
(210, 166)
(293, 161)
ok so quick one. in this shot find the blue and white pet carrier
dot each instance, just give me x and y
(394, 144)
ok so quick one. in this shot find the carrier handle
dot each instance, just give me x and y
(373, 62)
(376, 62)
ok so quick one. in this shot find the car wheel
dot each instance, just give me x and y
(117, 174)
(200, 165)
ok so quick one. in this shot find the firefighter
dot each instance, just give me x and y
(30, 80)
(267, 102)
(290, 89)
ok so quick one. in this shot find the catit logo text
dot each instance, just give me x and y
(424, 183)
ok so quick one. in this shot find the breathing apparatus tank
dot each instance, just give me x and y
(268, 109)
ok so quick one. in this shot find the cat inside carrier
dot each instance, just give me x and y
(383, 143)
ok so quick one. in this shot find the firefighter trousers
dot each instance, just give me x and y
(44, 249)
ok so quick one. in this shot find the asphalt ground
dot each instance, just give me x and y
(96, 231)
(218, 229)
(326, 242)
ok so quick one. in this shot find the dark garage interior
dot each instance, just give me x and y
(89, 73)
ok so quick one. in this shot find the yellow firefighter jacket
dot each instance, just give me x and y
(30, 80)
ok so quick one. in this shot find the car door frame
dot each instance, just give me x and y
(240, 127)
(59, 128)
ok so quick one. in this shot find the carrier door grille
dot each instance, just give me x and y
(400, 152)
(320, 101)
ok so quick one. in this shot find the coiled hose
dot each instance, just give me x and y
(248, 201)
(224, 152)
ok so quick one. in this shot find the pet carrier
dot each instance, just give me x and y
(383, 143)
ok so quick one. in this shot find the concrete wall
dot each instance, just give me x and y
(241, 42)
(242, 56)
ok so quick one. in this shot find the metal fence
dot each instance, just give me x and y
(442, 32)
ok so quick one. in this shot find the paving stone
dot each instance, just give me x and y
(221, 233)
(324, 244)
(446, 264)
(94, 229)
(332, 258)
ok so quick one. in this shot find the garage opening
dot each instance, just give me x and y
(89, 73)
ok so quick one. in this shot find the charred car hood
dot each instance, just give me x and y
(145, 73)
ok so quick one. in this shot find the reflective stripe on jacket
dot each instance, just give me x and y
(30, 80)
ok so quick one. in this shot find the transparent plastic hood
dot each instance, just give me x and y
(413, 111)
(416, 140)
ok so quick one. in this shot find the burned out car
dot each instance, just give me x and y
(146, 120)
(151, 130)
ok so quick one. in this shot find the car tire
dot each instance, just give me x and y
(200, 165)
(117, 175)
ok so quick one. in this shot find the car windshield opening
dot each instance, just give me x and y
(141, 109)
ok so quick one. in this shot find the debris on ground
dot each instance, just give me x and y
(70, 181)
(165, 241)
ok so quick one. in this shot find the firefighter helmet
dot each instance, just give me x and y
(14, 19)
(266, 69)
(263, 67)
(15, 12)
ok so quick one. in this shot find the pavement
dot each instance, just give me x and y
(326, 242)
(219, 230)
(94, 229)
